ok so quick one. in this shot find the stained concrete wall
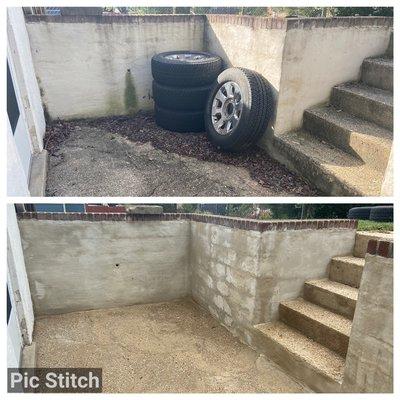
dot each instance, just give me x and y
(80, 265)
(90, 66)
(240, 276)
(369, 361)
(321, 53)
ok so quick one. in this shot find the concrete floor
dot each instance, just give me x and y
(166, 347)
(97, 161)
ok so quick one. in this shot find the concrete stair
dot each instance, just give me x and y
(334, 296)
(323, 326)
(343, 148)
(378, 72)
(347, 270)
(310, 362)
(372, 104)
(311, 338)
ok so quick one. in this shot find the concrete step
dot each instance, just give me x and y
(347, 270)
(372, 104)
(378, 72)
(334, 296)
(318, 367)
(332, 171)
(358, 137)
(362, 239)
(325, 327)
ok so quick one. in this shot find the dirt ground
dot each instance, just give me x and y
(125, 156)
(165, 347)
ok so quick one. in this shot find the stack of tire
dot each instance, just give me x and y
(377, 213)
(181, 87)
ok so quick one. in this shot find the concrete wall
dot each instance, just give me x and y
(240, 276)
(78, 265)
(369, 361)
(321, 53)
(90, 66)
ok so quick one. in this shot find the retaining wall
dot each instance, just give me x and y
(369, 361)
(239, 269)
(93, 66)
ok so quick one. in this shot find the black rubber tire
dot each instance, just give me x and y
(184, 73)
(179, 121)
(258, 106)
(382, 214)
(359, 213)
(181, 99)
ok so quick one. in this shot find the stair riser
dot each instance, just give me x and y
(296, 366)
(346, 273)
(362, 107)
(377, 75)
(332, 301)
(297, 162)
(322, 334)
(355, 144)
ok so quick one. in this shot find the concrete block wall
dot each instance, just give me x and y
(241, 276)
(369, 361)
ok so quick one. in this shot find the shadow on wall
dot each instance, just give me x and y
(213, 44)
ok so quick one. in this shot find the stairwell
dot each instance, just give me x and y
(311, 337)
(343, 147)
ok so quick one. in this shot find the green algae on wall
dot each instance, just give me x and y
(131, 101)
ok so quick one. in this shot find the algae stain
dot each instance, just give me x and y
(131, 102)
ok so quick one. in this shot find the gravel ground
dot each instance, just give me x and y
(174, 347)
(180, 164)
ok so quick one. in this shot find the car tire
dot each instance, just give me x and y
(179, 121)
(382, 214)
(180, 98)
(183, 69)
(359, 213)
(256, 111)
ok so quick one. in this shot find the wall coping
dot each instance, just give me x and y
(252, 21)
(232, 222)
(111, 19)
(383, 248)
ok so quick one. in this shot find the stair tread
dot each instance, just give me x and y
(374, 94)
(341, 289)
(317, 313)
(315, 354)
(351, 260)
(353, 124)
(384, 61)
(359, 177)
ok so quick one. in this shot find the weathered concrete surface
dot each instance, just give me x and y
(96, 162)
(99, 66)
(347, 270)
(369, 362)
(84, 265)
(169, 347)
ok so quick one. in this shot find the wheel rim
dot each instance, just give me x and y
(186, 56)
(227, 108)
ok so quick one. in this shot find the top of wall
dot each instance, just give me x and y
(245, 20)
(383, 248)
(339, 22)
(231, 222)
(114, 19)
